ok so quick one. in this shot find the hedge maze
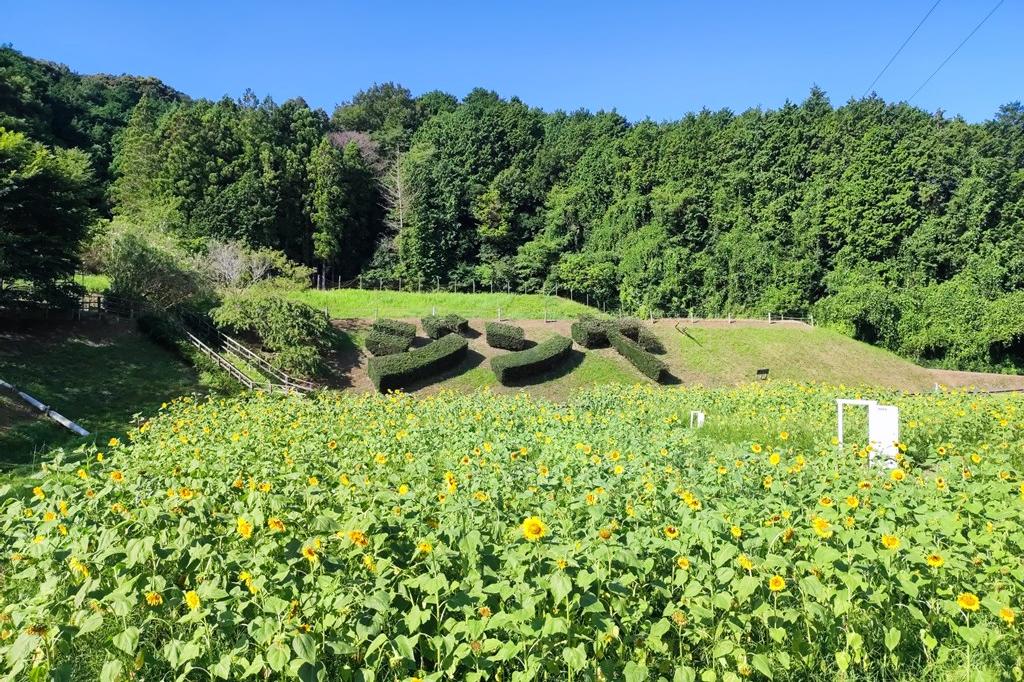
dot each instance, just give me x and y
(394, 365)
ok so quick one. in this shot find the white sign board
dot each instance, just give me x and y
(696, 419)
(884, 434)
(883, 430)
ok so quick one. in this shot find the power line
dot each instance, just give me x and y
(897, 52)
(980, 24)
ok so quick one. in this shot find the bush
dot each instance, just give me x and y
(505, 336)
(649, 341)
(533, 361)
(395, 328)
(589, 333)
(295, 332)
(437, 326)
(641, 359)
(394, 371)
(382, 343)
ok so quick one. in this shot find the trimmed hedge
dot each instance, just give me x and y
(388, 337)
(437, 326)
(641, 359)
(505, 336)
(649, 341)
(541, 357)
(589, 332)
(395, 328)
(394, 371)
(382, 343)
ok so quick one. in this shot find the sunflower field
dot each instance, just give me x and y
(478, 537)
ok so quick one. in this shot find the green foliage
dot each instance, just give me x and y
(44, 215)
(505, 336)
(150, 267)
(852, 212)
(382, 343)
(395, 328)
(437, 326)
(525, 363)
(590, 332)
(640, 358)
(606, 543)
(295, 333)
(55, 106)
(396, 371)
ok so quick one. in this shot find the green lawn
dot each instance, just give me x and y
(96, 374)
(729, 355)
(94, 283)
(356, 303)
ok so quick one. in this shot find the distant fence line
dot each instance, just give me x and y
(469, 286)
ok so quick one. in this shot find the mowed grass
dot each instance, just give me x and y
(97, 374)
(721, 355)
(365, 303)
(94, 284)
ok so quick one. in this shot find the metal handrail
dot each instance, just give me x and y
(247, 354)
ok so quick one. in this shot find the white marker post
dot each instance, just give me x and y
(696, 419)
(883, 430)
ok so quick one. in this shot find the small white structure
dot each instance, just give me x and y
(696, 419)
(883, 430)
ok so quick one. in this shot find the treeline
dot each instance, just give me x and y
(902, 227)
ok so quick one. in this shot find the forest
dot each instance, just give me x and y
(898, 226)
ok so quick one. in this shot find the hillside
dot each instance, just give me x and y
(704, 353)
(98, 374)
(366, 303)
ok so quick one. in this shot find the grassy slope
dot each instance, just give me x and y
(98, 375)
(728, 355)
(355, 303)
(717, 356)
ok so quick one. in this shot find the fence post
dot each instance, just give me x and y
(499, 313)
(812, 319)
(437, 284)
(360, 281)
(474, 285)
(769, 318)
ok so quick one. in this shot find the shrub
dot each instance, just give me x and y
(533, 361)
(395, 328)
(437, 326)
(649, 341)
(641, 359)
(394, 371)
(589, 333)
(506, 336)
(382, 343)
(295, 332)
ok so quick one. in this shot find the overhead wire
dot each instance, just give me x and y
(955, 50)
(897, 52)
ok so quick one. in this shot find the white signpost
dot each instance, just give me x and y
(696, 419)
(883, 430)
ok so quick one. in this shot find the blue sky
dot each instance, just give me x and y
(657, 59)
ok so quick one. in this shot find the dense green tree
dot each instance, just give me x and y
(44, 215)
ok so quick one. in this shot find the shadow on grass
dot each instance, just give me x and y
(667, 378)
